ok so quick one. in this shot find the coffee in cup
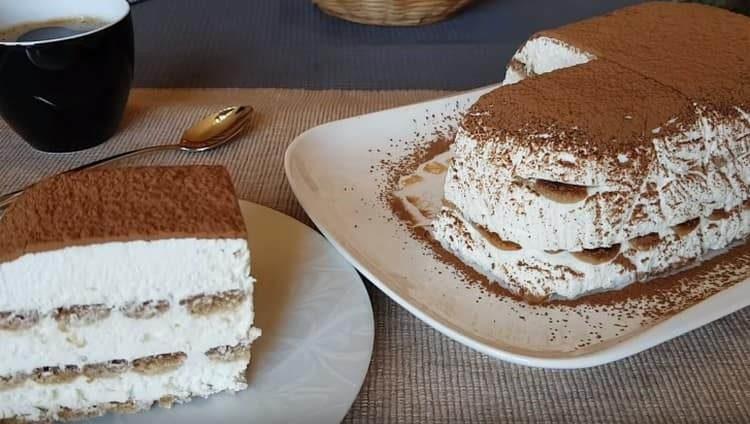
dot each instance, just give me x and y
(66, 68)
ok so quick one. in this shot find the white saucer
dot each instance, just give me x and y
(317, 338)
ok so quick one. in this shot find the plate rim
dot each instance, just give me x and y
(371, 345)
(690, 318)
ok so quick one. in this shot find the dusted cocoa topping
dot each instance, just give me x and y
(598, 256)
(591, 110)
(690, 48)
(425, 153)
(122, 204)
(533, 299)
(561, 192)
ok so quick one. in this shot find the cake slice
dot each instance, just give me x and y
(621, 131)
(122, 288)
(690, 164)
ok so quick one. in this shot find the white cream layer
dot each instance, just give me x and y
(116, 273)
(562, 275)
(541, 55)
(198, 376)
(121, 337)
(704, 168)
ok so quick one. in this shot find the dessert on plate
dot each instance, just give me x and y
(121, 289)
(617, 149)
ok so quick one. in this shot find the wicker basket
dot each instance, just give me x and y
(392, 12)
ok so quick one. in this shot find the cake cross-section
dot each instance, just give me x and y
(618, 149)
(121, 289)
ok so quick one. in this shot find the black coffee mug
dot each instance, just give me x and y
(68, 93)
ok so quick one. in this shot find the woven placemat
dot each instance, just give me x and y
(416, 374)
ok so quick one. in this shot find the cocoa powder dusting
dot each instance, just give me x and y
(422, 154)
(661, 41)
(594, 110)
(122, 204)
(654, 299)
(406, 165)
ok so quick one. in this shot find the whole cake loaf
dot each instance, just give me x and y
(122, 288)
(618, 148)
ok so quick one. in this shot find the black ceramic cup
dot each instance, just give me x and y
(64, 88)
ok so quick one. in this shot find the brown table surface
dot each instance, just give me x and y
(417, 374)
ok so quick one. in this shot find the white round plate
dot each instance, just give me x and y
(317, 338)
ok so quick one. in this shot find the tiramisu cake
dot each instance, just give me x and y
(618, 149)
(122, 288)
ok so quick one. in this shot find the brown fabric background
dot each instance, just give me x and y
(416, 374)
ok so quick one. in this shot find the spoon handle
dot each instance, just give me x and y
(8, 198)
(123, 155)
